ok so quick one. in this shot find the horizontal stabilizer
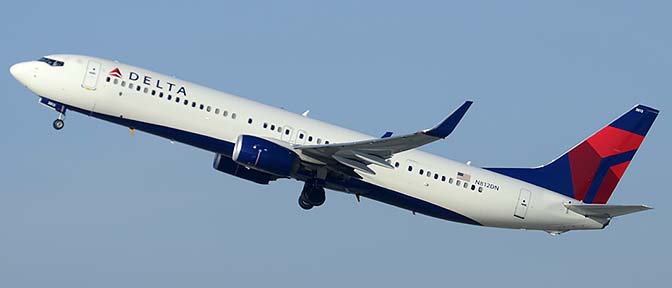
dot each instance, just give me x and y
(605, 211)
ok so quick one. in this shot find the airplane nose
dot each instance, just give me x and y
(20, 72)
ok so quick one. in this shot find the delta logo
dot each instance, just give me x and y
(147, 80)
(115, 73)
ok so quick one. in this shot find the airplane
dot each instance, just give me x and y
(260, 143)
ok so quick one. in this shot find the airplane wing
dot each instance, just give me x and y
(358, 155)
(605, 211)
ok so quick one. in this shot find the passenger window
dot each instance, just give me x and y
(233, 115)
(193, 104)
(116, 81)
(272, 127)
(396, 164)
(301, 136)
(287, 132)
(138, 88)
(319, 141)
(249, 120)
(480, 189)
(326, 142)
(422, 172)
(160, 94)
(108, 79)
(410, 168)
(153, 92)
(429, 174)
(170, 97)
(265, 125)
(177, 99)
(123, 83)
(310, 138)
(443, 178)
(208, 109)
(225, 113)
(130, 85)
(201, 106)
(450, 181)
(436, 176)
(466, 184)
(186, 102)
(473, 186)
(458, 182)
(217, 111)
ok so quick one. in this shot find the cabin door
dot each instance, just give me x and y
(523, 203)
(91, 77)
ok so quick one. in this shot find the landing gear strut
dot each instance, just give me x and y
(313, 194)
(59, 123)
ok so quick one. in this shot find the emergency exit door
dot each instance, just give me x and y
(523, 203)
(91, 76)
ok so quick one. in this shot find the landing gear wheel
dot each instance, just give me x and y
(305, 204)
(317, 197)
(58, 124)
(313, 193)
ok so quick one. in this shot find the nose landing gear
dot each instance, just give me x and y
(59, 123)
(58, 107)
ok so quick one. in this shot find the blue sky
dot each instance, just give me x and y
(90, 206)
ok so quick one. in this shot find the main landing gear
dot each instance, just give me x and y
(313, 194)
(59, 123)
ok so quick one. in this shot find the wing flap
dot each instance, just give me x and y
(354, 164)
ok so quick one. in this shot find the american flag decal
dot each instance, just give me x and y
(463, 176)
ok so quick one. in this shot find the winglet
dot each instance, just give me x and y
(448, 125)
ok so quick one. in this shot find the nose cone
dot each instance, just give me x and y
(21, 72)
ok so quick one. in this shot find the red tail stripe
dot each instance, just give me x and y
(607, 187)
(584, 162)
(619, 169)
(611, 141)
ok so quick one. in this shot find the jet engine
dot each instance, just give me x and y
(264, 155)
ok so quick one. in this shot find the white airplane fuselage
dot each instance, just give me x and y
(89, 85)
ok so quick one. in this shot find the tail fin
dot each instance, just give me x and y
(590, 171)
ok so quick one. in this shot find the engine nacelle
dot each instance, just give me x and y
(264, 155)
(225, 164)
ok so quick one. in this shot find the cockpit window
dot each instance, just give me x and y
(51, 62)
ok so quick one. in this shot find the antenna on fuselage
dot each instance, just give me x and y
(305, 114)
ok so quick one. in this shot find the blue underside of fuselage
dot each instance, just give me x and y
(351, 185)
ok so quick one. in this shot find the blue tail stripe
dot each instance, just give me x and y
(556, 176)
(638, 120)
(602, 170)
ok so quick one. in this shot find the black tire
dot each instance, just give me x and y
(317, 197)
(305, 204)
(58, 124)
(313, 193)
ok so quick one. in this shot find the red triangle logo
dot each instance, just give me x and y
(115, 72)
